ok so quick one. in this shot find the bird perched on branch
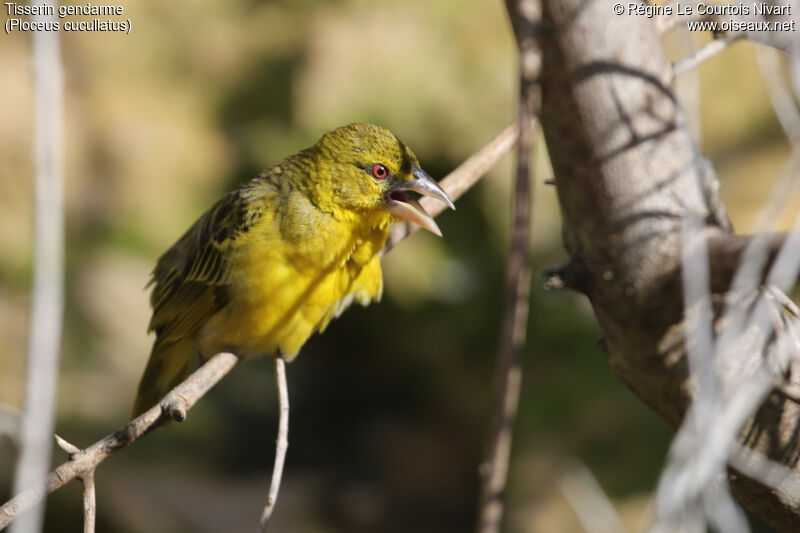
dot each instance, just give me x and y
(280, 256)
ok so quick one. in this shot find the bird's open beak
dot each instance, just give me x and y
(400, 205)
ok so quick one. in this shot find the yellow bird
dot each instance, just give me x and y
(280, 256)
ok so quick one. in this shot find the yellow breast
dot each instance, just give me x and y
(285, 288)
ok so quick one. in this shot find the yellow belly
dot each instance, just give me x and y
(276, 305)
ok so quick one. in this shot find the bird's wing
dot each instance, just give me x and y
(191, 279)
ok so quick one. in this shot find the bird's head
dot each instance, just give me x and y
(365, 168)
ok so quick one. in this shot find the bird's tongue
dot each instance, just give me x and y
(399, 196)
(400, 205)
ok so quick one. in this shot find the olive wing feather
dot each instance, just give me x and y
(190, 279)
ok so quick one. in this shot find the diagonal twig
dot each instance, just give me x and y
(186, 394)
(743, 25)
(702, 54)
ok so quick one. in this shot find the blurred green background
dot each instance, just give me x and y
(390, 406)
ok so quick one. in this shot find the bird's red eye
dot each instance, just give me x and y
(379, 171)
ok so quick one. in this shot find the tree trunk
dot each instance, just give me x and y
(627, 174)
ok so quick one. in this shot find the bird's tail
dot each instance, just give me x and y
(168, 366)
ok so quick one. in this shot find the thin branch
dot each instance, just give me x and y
(708, 51)
(87, 480)
(89, 502)
(761, 468)
(727, 252)
(525, 15)
(780, 94)
(281, 443)
(44, 340)
(185, 395)
(746, 366)
(748, 26)
(689, 489)
(689, 492)
(494, 469)
(687, 89)
(698, 321)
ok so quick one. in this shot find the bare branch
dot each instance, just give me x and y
(44, 340)
(687, 89)
(780, 94)
(87, 480)
(89, 502)
(191, 390)
(525, 16)
(748, 26)
(706, 52)
(690, 492)
(769, 473)
(281, 443)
